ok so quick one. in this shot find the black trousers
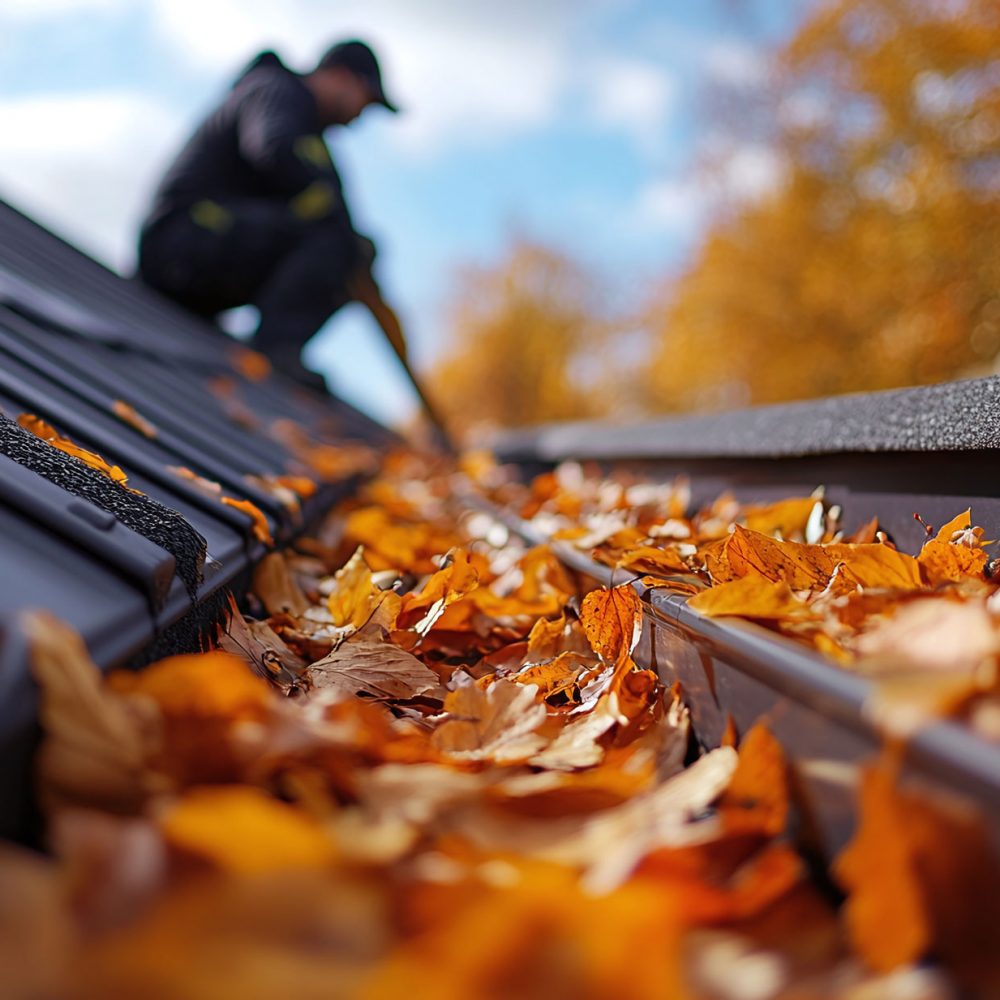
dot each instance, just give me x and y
(254, 252)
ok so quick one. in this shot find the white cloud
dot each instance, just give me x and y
(73, 160)
(736, 63)
(752, 172)
(36, 10)
(462, 72)
(635, 96)
(674, 205)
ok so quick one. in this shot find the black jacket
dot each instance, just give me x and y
(263, 141)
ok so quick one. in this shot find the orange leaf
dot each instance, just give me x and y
(612, 620)
(51, 436)
(921, 875)
(129, 415)
(757, 795)
(453, 581)
(785, 517)
(261, 529)
(252, 365)
(241, 829)
(750, 597)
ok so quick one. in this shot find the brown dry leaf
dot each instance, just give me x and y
(612, 620)
(354, 597)
(242, 829)
(96, 744)
(258, 644)
(261, 529)
(811, 567)
(38, 935)
(129, 415)
(801, 567)
(375, 669)
(921, 876)
(946, 562)
(114, 866)
(458, 577)
(612, 844)
(277, 588)
(497, 723)
(751, 597)
(577, 744)
(51, 436)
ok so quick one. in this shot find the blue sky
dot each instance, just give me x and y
(576, 123)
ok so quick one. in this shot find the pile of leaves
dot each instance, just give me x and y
(425, 763)
(924, 628)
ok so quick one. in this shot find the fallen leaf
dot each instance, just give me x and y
(261, 647)
(921, 876)
(757, 796)
(354, 597)
(577, 744)
(96, 744)
(612, 620)
(129, 415)
(375, 669)
(274, 584)
(496, 724)
(261, 529)
(51, 436)
(449, 584)
(751, 597)
(242, 829)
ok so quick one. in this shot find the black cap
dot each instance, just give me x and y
(356, 56)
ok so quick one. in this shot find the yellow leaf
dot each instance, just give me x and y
(354, 596)
(751, 597)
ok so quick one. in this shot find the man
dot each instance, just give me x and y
(252, 210)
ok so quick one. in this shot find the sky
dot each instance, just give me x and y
(577, 123)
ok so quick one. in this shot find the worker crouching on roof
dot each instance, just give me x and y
(252, 210)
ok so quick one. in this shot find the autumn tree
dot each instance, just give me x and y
(526, 338)
(872, 263)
